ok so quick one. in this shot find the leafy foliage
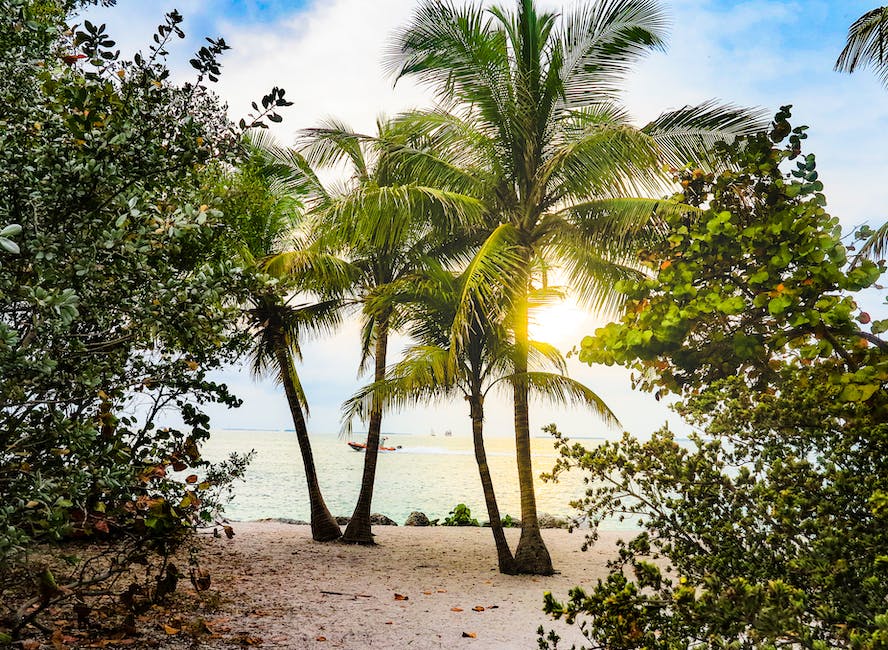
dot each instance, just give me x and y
(461, 515)
(760, 276)
(767, 527)
(117, 297)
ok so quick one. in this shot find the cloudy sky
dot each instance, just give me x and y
(327, 53)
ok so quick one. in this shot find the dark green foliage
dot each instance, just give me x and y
(767, 527)
(761, 274)
(461, 515)
(117, 293)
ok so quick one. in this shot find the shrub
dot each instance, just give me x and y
(767, 527)
(461, 515)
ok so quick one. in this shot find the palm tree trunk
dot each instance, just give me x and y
(323, 526)
(504, 558)
(358, 529)
(531, 554)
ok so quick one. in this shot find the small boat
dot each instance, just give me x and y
(360, 446)
(448, 433)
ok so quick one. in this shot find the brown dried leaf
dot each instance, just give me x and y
(469, 635)
(169, 629)
(456, 609)
(427, 593)
(229, 531)
(477, 608)
(191, 478)
(321, 638)
(401, 597)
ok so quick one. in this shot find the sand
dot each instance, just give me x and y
(280, 589)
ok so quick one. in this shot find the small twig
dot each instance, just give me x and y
(339, 593)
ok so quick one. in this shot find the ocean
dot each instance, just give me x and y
(430, 473)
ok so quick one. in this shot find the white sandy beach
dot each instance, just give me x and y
(283, 590)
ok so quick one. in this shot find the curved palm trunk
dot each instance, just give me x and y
(504, 558)
(323, 526)
(358, 529)
(531, 554)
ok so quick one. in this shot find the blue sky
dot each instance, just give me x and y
(327, 54)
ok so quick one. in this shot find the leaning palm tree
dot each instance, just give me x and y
(867, 46)
(481, 363)
(386, 226)
(265, 192)
(529, 102)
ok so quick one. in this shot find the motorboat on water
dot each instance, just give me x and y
(361, 446)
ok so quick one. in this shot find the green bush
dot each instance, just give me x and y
(461, 515)
(767, 527)
(117, 292)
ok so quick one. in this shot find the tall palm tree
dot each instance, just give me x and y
(867, 46)
(530, 98)
(386, 226)
(267, 192)
(432, 370)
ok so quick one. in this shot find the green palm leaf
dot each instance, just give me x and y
(559, 389)
(867, 45)
(599, 43)
(688, 135)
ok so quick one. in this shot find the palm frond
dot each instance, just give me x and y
(867, 45)
(332, 144)
(563, 390)
(622, 226)
(313, 270)
(594, 274)
(487, 279)
(599, 42)
(875, 247)
(424, 374)
(461, 55)
(605, 160)
(687, 136)
(383, 217)
(542, 354)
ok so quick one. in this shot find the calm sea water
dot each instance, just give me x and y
(429, 473)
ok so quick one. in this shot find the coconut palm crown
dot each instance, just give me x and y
(384, 225)
(481, 362)
(530, 104)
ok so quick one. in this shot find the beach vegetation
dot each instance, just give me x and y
(461, 515)
(118, 303)
(261, 199)
(472, 367)
(386, 226)
(766, 526)
(535, 117)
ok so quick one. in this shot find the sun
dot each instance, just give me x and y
(562, 324)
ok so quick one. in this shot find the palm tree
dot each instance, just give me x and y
(386, 226)
(267, 190)
(867, 46)
(432, 369)
(530, 100)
